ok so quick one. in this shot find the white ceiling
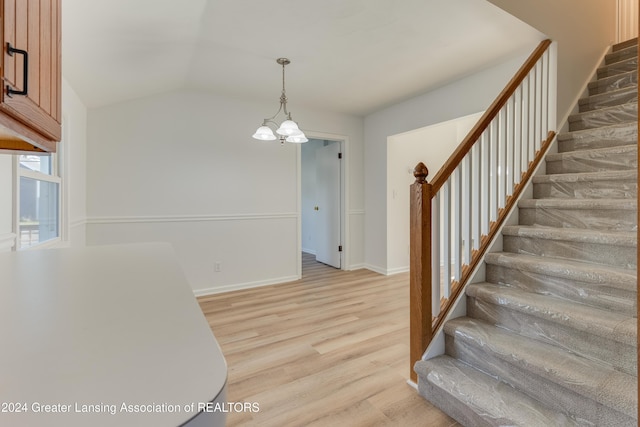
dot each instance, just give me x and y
(349, 56)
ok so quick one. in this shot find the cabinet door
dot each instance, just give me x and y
(33, 26)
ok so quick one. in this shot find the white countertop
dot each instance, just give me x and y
(103, 327)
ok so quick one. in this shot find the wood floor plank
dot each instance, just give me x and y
(328, 350)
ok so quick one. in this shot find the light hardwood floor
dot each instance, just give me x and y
(328, 350)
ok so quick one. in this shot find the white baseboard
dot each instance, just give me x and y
(308, 251)
(359, 266)
(385, 271)
(397, 270)
(7, 241)
(241, 286)
(376, 269)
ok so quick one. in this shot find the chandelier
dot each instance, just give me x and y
(288, 130)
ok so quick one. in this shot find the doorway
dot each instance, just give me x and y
(322, 201)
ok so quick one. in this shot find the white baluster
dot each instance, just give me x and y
(532, 115)
(525, 124)
(502, 144)
(486, 174)
(446, 238)
(476, 206)
(544, 71)
(436, 281)
(539, 131)
(467, 210)
(517, 136)
(457, 223)
(511, 161)
(553, 89)
(495, 197)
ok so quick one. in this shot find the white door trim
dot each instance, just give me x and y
(344, 189)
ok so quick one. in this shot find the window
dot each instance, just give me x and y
(38, 199)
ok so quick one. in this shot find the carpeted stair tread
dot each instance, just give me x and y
(623, 113)
(474, 398)
(605, 214)
(587, 176)
(589, 331)
(587, 185)
(619, 67)
(610, 204)
(625, 44)
(628, 94)
(559, 369)
(622, 157)
(613, 83)
(605, 287)
(604, 323)
(602, 137)
(621, 238)
(614, 248)
(584, 272)
(621, 55)
(585, 330)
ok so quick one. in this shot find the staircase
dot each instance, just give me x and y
(550, 338)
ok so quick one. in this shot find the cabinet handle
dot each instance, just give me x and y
(25, 78)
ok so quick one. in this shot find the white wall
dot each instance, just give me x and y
(182, 167)
(431, 145)
(75, 152)
(464, 97)
(583, 30)
(74, 184)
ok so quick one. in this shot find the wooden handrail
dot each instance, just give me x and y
(423, 324)
(474, 134)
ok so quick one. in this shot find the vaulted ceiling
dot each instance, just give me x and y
(348, 56)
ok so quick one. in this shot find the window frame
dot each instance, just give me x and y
(54, 177)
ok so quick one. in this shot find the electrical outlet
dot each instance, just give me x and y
(217, 267)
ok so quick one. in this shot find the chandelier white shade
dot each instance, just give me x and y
(264, 133)
(288, 130)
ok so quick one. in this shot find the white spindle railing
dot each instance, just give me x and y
(470, 195)
(495, 165)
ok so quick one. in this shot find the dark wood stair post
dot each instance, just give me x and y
(420, 265)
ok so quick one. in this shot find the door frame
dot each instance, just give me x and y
(344, 197)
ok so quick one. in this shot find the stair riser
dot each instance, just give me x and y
(595, 162)
(595, 103)
(595, 294)
(618, 68)
(599, 219)
(553, 395)
(621, 55)
(594, 347)
(475, 399)
(613, 83)
(625, 113)
(606, 254)
(606, 189)
(601, 138)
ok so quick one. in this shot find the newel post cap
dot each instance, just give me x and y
(421, 172)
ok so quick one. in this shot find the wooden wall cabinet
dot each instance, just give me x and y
(30, 104)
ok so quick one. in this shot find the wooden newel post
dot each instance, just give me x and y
(420, 265)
